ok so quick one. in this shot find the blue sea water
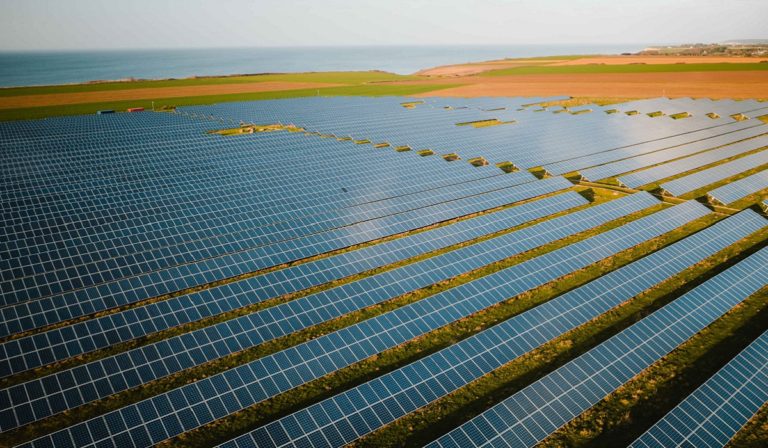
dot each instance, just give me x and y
(63, 67)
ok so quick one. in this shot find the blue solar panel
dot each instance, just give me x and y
(715, 412)
(102, 377)
(111, 225)
(35, 314)
(75, 339)
(442, 373)
(634, 180)
(271, 231)
(740, 189)
(271, 375)
(702, 178)
(657, 173)
(530, 415)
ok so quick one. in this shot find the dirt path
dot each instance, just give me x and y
(56, 99)
(620, 85)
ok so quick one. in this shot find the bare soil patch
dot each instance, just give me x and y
(748, 84)
(56, 99)
(623, 60)
(479, 67)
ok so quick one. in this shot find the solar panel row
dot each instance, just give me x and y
(740, 189)
(530, 415)
(359, 411)
(715, 412)
(680, 166)
(618, 160)
(634, 180)
(108, 330)
(700, 179)
(190, 406)
(35, 314)
(219, 340)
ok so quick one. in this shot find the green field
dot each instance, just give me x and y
(89, 108)
(625, 68)
(328, 77)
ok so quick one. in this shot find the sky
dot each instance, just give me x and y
(139, 24)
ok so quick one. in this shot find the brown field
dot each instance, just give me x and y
(479, 67)
(57, 99)
(461, 80)
(749, 84)
(618, 60)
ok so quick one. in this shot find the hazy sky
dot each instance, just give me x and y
(91, 24)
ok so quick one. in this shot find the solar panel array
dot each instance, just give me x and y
(715, 412)
(378, 402)
(700, 179)
(530, 415)
(274, 374)
(136, 248)
(61, 343)
(698, 159)
(659, 172)
(739, 189)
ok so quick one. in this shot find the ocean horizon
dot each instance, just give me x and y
(36, 68)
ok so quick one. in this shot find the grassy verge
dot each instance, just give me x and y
(89, 108)
(625, 68)
(443, 415)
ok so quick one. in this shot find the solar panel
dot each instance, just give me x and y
(61, 343)
(213, 342)
(35, 314)
(634, 180)
(717, 173)
(538, 410)
(96, 273)
(437, 375)
(697, 138)
(715, 412)
(192, 405)
(739, 189)
(644, 160)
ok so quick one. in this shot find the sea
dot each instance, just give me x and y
(66, 67)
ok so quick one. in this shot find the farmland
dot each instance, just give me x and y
(623, 78)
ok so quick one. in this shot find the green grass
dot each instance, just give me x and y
(89, 108)
(324, 77)
(624, 68)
